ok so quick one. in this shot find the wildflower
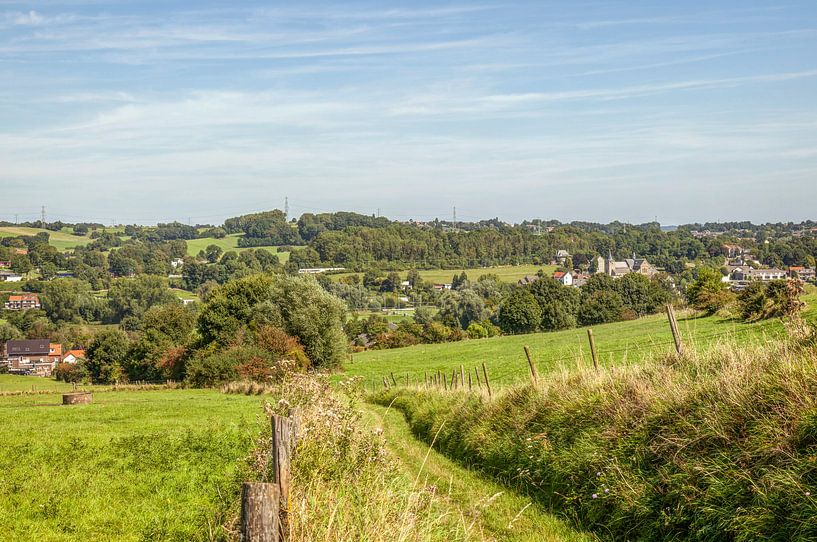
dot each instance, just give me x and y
(595, 495)
(607, 491)
(598, 473)
(808, 493)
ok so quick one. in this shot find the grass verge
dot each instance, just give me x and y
(718, 445)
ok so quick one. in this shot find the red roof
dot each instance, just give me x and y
(559, 274)
(25, 297)
(75, 353)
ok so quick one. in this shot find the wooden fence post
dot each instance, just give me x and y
(385, 383)
(534, 375)
(487, 383)
(284, 434)
(454, 383)
(445, 383)
(479, 382)
(470, 385)
(462, 375)
(673, 324)
(393, 379)
(593, 348)
(259, 512)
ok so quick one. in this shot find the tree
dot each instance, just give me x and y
(559, 304)
(600, 307)
(298, 305)
(133, 297)
(460, 308)
(708, 292)
(106, 356)
(212, 253)
(519, 312)
(165, 329)
(21, 264)
(68, 300)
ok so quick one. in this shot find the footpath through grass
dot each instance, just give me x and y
(131, 466)
(482, 509)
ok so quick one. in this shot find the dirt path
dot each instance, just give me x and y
(487, 510)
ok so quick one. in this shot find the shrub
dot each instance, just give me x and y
(71, 372)
(476, 331)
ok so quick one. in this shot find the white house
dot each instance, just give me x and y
(6, 276)
(565, 277)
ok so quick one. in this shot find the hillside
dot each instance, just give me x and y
(62, 240)
(717, 445)
(616, 343)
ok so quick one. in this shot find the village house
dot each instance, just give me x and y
(7, 276)
(527, 279)
(22, 302)
(33, 356)
(739, 277)
(732, 251)
(565, 277)
(807, 274)
(73, 356)
(561, 257)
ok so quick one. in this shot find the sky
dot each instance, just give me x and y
(139, 112)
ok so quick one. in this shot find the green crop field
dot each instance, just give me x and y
(62, 240)
(143, 465)
(506, 273)
(226, 244)
(620, 342)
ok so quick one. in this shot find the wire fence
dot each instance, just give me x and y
(506, 374)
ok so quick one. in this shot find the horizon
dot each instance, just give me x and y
(597, 112)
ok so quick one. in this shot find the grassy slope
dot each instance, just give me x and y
(31, 383)
(487, 509)
(506, 273)
(62, 240)
(616, 343)
(228, 243)
(719, 445)
(149, 465)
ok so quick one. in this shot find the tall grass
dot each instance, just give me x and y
(720, 445)
(345, 485)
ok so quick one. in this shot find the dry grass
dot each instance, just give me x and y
(345, 485)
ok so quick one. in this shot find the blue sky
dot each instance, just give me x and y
(154, 111)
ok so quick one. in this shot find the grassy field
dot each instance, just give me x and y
(228, 243)
(620, 342)
(506, 273)
(62, 240)
(31, 383)
(132, 466)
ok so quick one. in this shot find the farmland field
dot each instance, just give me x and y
(62, 240)
(619, 342)
(144, 465)
(506, 273)
(226, 244)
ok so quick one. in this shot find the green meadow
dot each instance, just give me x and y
(62, 240)
(506, 273)
(228, 243)
(133, 466)
(619, 342)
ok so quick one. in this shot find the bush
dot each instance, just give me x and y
(476, 331)
(519, 312)
(71, 372)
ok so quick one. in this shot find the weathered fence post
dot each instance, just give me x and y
(534, 375)
(259, 512)
(673, 324)
(470, 385)
(462, 375)
(487, 383)
(385, 383)
(454, 383)
(426, 378)
(445, 383)
(393, 379)
(284, 435)
(479, 382)
(593, 348)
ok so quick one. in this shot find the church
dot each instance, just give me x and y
(616, 269)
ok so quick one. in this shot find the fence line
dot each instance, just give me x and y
(516, 373)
